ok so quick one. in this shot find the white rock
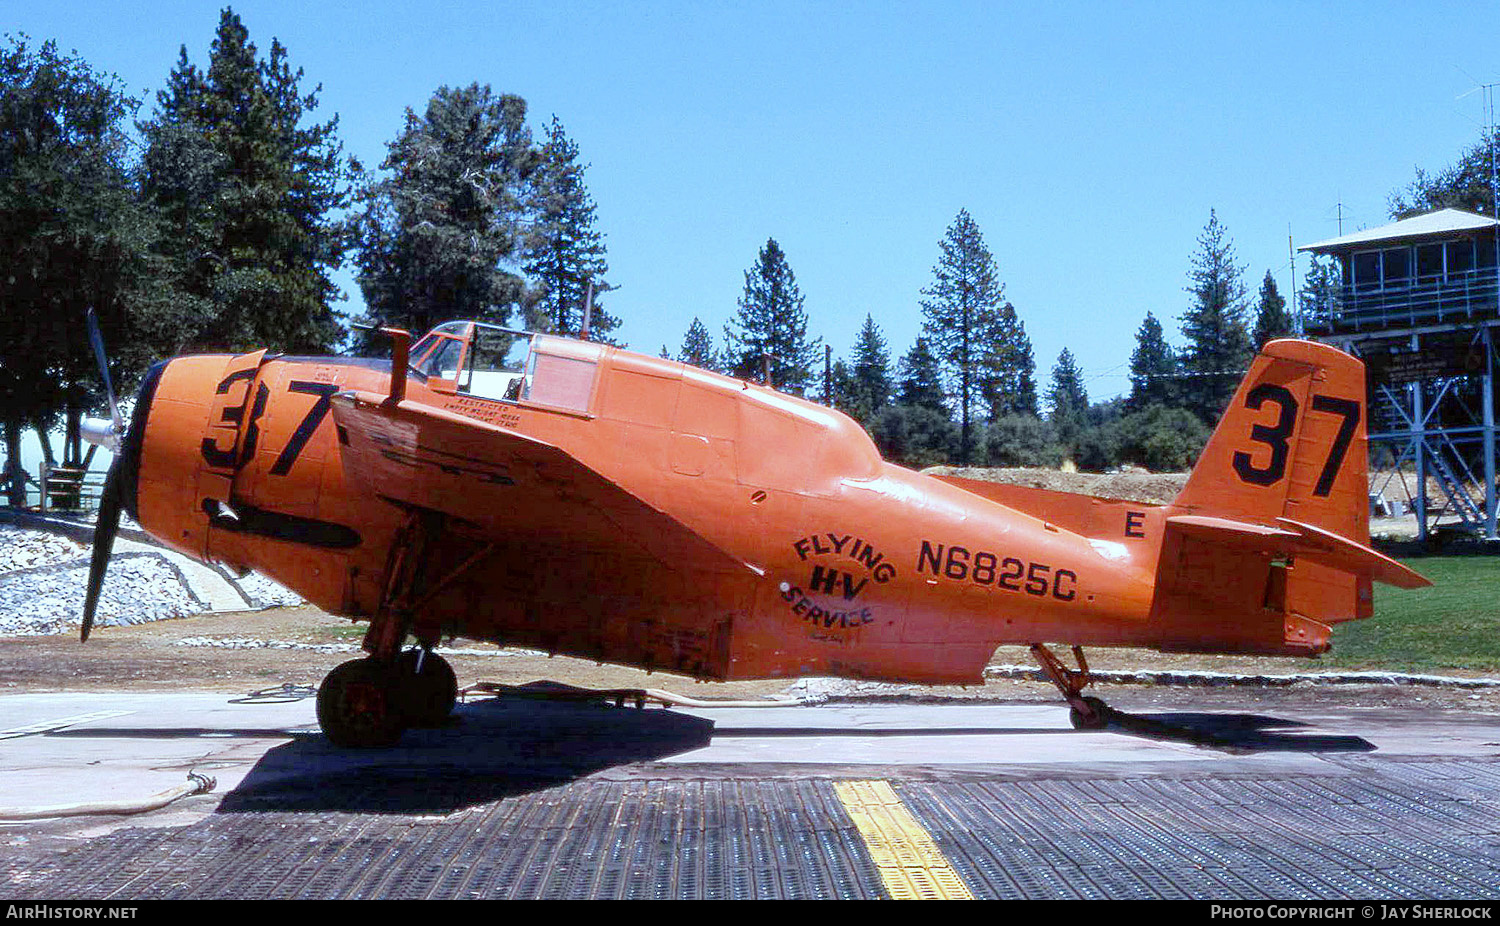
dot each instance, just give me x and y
(137, 588)
(27, 549)
(43, 577)
(266, 593)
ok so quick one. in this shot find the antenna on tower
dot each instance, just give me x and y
(1296, 303)
(1489, 133)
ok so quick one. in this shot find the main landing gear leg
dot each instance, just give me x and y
(370, 702)
(1087, 713)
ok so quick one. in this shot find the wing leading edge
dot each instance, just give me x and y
(506, 483)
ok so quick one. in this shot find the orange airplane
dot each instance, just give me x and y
(577, 498)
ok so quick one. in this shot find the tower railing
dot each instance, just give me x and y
(1419, 302)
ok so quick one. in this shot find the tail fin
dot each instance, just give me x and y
(1290, 445)
(1268, 543)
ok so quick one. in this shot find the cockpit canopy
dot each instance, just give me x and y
(494, 362)
(778, 439)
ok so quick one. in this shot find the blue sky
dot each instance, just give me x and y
(1088, 140)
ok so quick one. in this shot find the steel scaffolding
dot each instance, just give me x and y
(1418, 304)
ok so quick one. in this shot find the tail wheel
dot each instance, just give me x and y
(1096, 718)
(427, 697)
(356, 705)
(1085, 713)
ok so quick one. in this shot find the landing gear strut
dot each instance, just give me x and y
(1087, 713)
(370, 702)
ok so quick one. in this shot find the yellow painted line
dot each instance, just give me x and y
(909, 862)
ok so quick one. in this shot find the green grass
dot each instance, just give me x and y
(1455, 624)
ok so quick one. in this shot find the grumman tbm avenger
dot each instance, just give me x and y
(575, 497)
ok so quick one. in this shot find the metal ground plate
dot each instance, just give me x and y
(868, 801)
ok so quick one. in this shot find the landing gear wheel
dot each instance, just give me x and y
(1082, 721)
(426, 698)
(357, 705)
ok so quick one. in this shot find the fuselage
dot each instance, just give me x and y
(848, 565)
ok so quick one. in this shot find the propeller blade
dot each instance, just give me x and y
(97, 339)
(105, 529)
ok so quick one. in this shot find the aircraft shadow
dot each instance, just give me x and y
(168, 733)
(1243, 733)
(862, 732)
(490, 750)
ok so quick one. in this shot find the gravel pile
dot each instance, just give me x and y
(43, 576)
(140, 587)
(25, 549)
(261, 592)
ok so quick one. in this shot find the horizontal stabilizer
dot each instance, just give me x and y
(1300, 541)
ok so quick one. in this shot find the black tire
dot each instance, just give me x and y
(357, 706)
(1099, 721)
(426, 699)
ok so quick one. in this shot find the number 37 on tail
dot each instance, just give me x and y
(577, 498)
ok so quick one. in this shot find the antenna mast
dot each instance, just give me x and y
(1296, 305)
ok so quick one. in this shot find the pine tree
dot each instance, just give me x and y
(916, 430)
(698, 347)
(180, 176)
(839, 391)
(1068, 401)
(1321, 296)
(1218, 344)
(1009, 386)
(771, 321)
(255, 235)
(1153, 368)
(974, 333)
(440, 233)
(921, 382)
(1272, 320)
(1464, 185)
(565, 253)
(869, 385)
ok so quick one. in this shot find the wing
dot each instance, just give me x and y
(506, 483)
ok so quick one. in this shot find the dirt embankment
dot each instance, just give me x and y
(1134, 485)
(1125, 486)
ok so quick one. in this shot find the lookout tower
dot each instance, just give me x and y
(1417, 301)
